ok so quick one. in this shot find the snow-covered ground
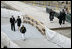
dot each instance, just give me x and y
(8, 13)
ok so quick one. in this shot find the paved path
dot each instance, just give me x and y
(34, 39)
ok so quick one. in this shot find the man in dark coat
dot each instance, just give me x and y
(51, 17)
(23, 30)
(60, 17)
(12, 21)
(64, 16)
(19, 22)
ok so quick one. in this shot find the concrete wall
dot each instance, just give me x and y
(57, 38)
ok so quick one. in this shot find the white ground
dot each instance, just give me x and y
(33, 37)
(31, 32)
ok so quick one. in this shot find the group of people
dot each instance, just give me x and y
(18, 21)
(61, 17)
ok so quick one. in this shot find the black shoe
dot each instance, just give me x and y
(24, 39)
(14, 30)
(11, 29)
(63, 23)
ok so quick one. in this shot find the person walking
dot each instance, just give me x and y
(23, 30)
(64, 16)
(51, 17)
(12, 21)
(19, 22)
(60, 18)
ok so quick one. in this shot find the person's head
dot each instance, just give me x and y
(63, 10)
(18, 16)
(51, 9)
(12, 16)
(22, 25)
(64, 7)
(60, 12)
(5, 47)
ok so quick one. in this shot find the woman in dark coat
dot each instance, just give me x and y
(23, 30)
(60, 17)
(18, 22)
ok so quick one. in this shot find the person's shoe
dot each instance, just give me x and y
(51, 21)
(60, 25)
(14, 30)
(63, 23)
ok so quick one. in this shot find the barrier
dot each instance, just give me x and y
(34, 22)
(57, 38)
